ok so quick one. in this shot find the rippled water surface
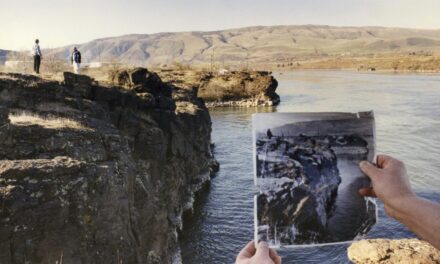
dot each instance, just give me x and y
(407, 110)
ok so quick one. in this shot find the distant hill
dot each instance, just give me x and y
(3, 55)
(255, 44)
(361, 126)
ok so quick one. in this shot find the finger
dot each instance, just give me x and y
(247, 252)
(382, 161)
(367, 192)
(262, 249)
(274, 256)
(369, 169)
(272, 253)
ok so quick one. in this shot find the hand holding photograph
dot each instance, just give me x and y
(306, 169)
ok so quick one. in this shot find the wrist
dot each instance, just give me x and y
(404, 207)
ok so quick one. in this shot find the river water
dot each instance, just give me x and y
(407, 111)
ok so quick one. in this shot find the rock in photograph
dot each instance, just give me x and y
(306, 170)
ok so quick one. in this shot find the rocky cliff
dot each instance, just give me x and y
(236, 88)
(388, 251)
(294, 211)
(98, 174)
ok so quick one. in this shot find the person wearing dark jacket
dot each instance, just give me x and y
(75, 59)
(269, 134)
(36, 54)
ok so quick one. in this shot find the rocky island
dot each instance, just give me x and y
(227, 88)
(98, 174)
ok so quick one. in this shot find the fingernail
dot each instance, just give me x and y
(263, 244)
(363, 163)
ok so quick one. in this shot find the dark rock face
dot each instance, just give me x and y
(80, 83)
(4, 127)
(4, 115)
(147, 85)
(95, 174)
(142, 80)
(304, 166)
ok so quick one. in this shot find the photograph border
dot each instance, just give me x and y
(367, 199)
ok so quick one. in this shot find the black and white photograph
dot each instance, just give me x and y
(306, 167)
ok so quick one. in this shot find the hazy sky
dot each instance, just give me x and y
(62, 22)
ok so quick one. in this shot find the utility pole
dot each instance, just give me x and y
(212, 61)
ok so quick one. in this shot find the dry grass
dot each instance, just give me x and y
(24, 118)
(24, 62)
(51, 67)
(104, 73)
(386, 62)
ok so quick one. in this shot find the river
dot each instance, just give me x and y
(407, 111)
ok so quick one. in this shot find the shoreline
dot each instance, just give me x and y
(380, 71)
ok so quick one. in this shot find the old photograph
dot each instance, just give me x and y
(306, 170)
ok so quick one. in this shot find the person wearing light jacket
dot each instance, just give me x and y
(36, 54)
(75, 59)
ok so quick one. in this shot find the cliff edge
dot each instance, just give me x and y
(98, 174)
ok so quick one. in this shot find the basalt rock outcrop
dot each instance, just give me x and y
(307, 180)
(388, 251)
(299, 179)
(98, 174)
(235, 88)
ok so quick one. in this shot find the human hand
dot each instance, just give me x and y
(260, 255)
(389, 183)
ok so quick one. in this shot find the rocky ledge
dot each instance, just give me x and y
(298, 167)
(98, 174)
(235, 88)
(386, 251)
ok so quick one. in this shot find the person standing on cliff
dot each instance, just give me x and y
(269, 134)
(36, 54)
(75, 59)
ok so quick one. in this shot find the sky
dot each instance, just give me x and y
(63, 22)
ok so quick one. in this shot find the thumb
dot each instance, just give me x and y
(262, 249)
(369, 169)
